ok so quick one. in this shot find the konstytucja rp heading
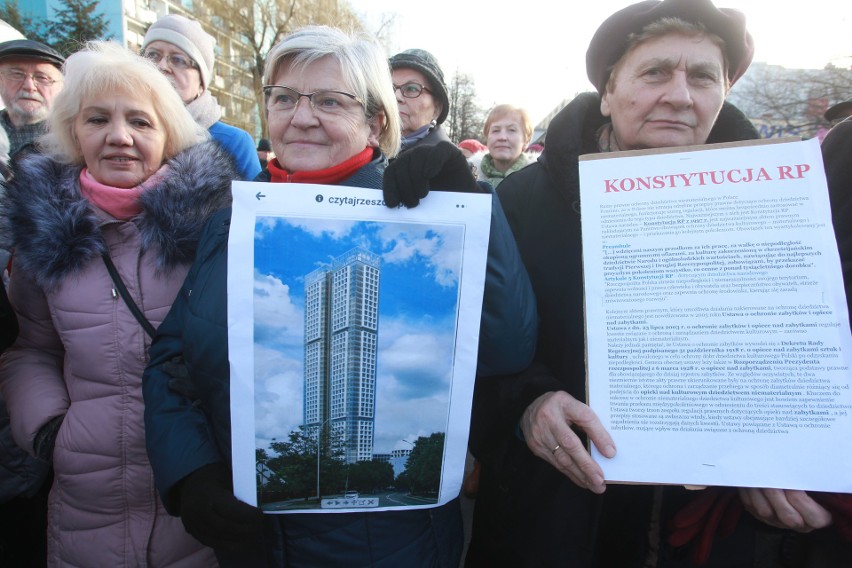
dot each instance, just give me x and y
(706, 178)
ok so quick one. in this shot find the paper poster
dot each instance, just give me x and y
(718, 335)
(353, 332)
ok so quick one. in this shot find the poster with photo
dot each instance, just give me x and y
(353, 332)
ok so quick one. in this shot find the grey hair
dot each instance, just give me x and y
(104, 67)
(362, 64)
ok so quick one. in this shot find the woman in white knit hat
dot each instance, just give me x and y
(183, 52)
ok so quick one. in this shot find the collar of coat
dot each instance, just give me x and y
(55, 232)
(573, 132)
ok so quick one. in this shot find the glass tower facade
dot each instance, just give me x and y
(341, 330)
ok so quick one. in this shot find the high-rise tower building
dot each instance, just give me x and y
(341, 329)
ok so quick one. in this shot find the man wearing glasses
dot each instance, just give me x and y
(30, 78)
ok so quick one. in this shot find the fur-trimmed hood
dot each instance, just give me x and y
(54, 230)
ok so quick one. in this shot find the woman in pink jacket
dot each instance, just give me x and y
(127, 179)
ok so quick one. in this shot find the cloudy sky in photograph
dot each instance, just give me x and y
(418, 297)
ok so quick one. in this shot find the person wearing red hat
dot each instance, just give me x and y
(662, 70)
(471, 146)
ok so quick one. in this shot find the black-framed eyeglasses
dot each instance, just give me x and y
(281, 98)
(174, 60)
(16, 77)
(411, 90)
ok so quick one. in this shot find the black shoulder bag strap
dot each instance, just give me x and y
(125, 295)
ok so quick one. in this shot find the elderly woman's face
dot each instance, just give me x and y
(186, 79)
(121, 139)
(505, 141)
(304, 139)
(667, 92)
(414, 113)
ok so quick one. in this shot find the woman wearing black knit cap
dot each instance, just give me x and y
(421, 94)
(662, 71)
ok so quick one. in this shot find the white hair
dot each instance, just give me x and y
(362, 64)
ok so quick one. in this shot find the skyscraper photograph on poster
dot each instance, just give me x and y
(354, 333)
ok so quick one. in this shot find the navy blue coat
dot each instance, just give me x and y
(183, 438)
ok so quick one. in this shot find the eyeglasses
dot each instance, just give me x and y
(411, 90)
(174, 60)
(15, 77)
(281, 98)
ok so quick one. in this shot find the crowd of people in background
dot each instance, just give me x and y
(115, 442)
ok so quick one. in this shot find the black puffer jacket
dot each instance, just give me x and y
(527, 513)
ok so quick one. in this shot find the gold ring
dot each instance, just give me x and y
(556, 449)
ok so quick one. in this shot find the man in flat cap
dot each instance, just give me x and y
(662, 70)
(30, 78)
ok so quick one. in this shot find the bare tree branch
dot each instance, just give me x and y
(466, 118)
(790, 102)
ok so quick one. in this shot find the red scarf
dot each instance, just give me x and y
(328, 176)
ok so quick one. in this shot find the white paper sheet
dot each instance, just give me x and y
(391, 299)
(718, 335)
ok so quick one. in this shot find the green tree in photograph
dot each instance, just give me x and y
(423, 469)
(370, 476)
(295, 464)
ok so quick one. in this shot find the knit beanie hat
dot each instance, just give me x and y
(611, 40)
(423, 61)
(189, 36)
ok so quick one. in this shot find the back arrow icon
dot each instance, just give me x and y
(259, 195)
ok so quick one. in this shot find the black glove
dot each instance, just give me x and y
(45, 439)
(179, 379)
(212, 514)
(441, 167)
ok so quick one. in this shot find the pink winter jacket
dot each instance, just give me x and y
(81, 353)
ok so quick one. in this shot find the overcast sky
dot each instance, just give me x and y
(533, 55)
